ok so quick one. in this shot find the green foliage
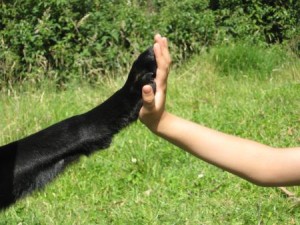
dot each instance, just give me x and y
(65, 40)
(189, 25)
(271, 21)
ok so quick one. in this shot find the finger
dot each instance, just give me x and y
(160, 40)
(165, 50)
(148, 97)
(162, 67)
(164, 42)
(156, 36)
(161, 72)
(158, 53)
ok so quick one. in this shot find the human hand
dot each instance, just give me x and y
(153, 108)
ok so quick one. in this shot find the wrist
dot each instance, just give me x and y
(161, 124)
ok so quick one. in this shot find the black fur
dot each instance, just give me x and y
(30, 163)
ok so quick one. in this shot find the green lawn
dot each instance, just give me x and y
(142, 179)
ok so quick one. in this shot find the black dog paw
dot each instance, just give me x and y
(143, 72)
(147, 78)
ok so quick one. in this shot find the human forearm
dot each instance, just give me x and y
(248, 159)
(210, 145)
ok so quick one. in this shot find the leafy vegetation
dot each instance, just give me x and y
(142, 179)
(270, 21)
(66, 40)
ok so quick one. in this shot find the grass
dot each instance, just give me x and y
(142, 179)
(242, 59)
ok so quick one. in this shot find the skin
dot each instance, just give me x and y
(258, 163)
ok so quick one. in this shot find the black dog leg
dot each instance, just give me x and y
(32, 162)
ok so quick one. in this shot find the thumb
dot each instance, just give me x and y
(148, 97)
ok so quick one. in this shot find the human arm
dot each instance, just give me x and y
(255, 162)
(258, 163)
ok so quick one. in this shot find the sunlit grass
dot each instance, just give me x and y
(142, 179)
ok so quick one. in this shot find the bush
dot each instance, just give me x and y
(62, 39)
(189, 25)
(84, 39)
(272, 21)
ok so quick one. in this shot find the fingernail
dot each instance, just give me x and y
(147, 89)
